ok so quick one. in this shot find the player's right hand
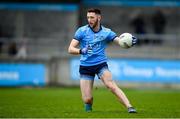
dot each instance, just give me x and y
(83, 51)
(86, 50)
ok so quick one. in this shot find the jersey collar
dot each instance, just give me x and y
(95, 31)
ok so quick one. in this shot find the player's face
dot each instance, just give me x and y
(93, 19)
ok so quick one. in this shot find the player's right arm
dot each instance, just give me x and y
(73, 47)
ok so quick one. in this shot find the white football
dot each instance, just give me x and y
(125, 40)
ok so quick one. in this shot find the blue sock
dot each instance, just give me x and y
(88, 107)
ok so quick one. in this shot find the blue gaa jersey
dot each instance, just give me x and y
(97, 41)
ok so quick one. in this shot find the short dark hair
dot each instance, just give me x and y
(95, 10)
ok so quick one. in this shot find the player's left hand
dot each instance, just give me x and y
(134, 41)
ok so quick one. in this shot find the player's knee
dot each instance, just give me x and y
(109, 85)
(111, 88)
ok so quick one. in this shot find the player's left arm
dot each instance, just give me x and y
(116, 40)
(112, 36)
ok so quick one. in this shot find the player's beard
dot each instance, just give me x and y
(95, 24)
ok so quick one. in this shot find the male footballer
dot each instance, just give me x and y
(92, 40)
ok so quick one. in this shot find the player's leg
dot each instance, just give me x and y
(110, 84)
(106, 78)
(86, 86)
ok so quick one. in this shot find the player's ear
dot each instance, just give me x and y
(99, 17)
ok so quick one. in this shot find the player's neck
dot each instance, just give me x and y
(97, 28)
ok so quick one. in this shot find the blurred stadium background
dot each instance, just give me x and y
(35, 35)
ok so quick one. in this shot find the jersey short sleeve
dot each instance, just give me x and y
(111, 36)
(78, 34)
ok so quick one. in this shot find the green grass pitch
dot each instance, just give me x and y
(67, 103)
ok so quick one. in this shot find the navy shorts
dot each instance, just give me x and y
(89, 72)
